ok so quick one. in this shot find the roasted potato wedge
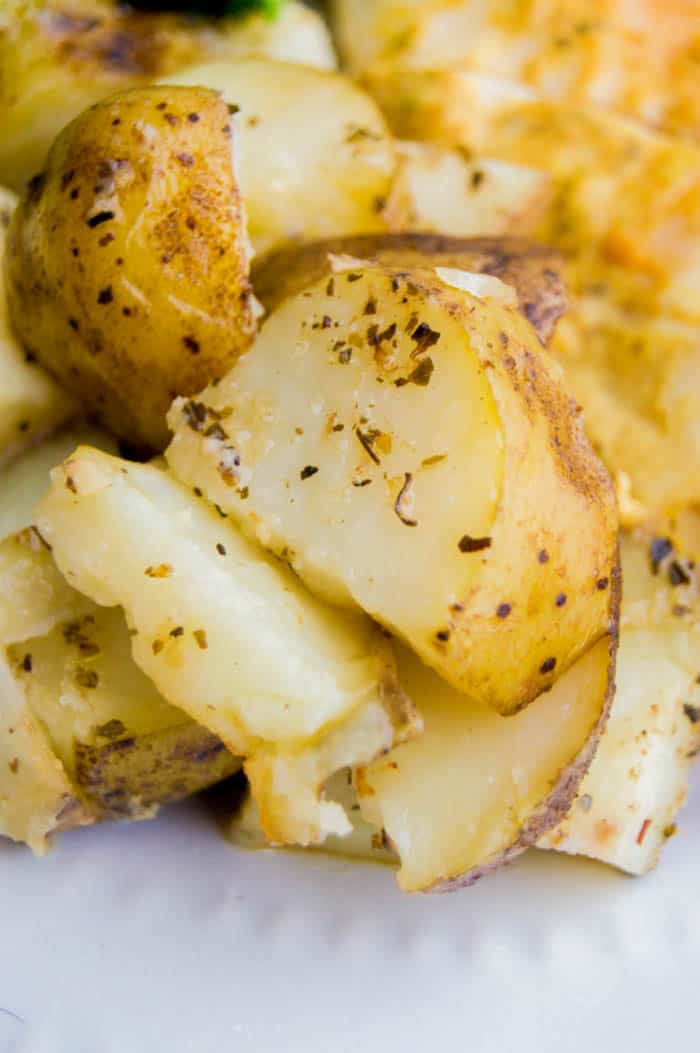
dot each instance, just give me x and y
(316, 159)
(25, 480)
(534, 271)
(638, 59)
(476, 789)
(31, 403)
(394, 436)
(83, 734)
(229, 634)
(127, 261)
(627, 803)
(57, 57)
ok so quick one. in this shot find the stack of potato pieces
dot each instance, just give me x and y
(379, 542)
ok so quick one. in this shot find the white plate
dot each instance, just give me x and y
(161, 937)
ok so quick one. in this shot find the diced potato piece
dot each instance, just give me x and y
(119, 742)
(224, 631)
(31, 403)
(36, 796)
(25, 480)
(316, 159)
(476, 789)
(128, 259)
(408, 448)
(638, 780)
(57, 57)
(534, 271)
(84, 734)
(439, 189)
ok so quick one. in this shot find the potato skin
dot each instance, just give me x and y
(127, 259)
(534, 270)
(554, 809)
(131, 777)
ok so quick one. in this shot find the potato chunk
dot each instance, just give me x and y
(127, 263)
(224, 631)
(316, 158)
(476, 789)
(627, 803)
(406, 445)
(83, 734)
(31, 403)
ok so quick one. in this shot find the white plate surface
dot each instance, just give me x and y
(161, 937)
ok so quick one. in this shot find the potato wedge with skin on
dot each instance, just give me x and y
(86, 736)
(396, 437)
(476, 789)
(57, 57)
(226, 632)
(638, 780)
(127, 261)
(316, 158)
(31, 402)
(533, 270)
(122, 746)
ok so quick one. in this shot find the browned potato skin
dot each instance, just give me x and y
(124, 780)
(127, 260)
(552, 810)
(533, 270)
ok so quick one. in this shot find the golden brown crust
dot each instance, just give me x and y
(127, 262)
(533, 270)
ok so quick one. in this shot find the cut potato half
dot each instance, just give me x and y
(224, 630)
(408, 448)
(476, 788)
(316, 159)
(533, 271)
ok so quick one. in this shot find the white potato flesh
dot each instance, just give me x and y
(225, 631)
(378, 437)
(296, 34)
(36, 795)
(638, 780)
(476, 788)
(25, 480)
(34, 596)
(31, 402)
(80, 677)
(313, 155)
(440, 189)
